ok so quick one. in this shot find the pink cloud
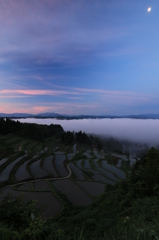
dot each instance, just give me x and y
(73, 91)
(92, 101)
(8, 108)
(37, 92)
(12, 96)
(59, 107)
(40, 109)
(80, 93)
(1, 109)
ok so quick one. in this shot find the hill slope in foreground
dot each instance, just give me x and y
(83, 192)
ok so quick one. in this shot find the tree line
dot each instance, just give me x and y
(29, 130)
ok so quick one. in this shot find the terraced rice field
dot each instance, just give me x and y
(3, 161)
(70, 156)
(103, 179)
(132, 160)
(74, 193)
(116, 171)
(48, 166)
(44, 200)
(37, 171)
(123, 157)
(87, 155)
(4, 176)
(77, 172)
(25, 187)
(87, 164)
(41, 186)
(119, 163)
(59, 162)
(22, 173)
(97, 155)
(79, 163)
(47, 174)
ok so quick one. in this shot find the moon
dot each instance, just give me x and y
(149, 9)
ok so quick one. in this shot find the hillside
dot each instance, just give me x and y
(83, 191)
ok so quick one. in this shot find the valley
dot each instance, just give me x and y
(45, 170)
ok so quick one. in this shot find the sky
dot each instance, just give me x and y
(79, 56)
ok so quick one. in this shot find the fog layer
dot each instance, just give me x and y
(137, 130)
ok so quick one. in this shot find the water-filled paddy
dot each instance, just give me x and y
(93, 171)
(97, 155)
(3, 161)
(104, 172)
(59, 163)
(26, 186)
(77, 172)
(123, 157)
(37, 171)
(78, 164)
(96, 163)
(41, 186)
(86, 164)
(107, 174)
(113, 169)
(74, 193)
(22, 173)
(5, 173)
(87, 155)
(48, 166)
(103, 179)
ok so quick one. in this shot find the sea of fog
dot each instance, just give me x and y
(136, 130)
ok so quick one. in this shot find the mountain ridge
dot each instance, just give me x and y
(82, 116)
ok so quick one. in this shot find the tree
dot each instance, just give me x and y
(83, 138)
(19, 219)
(67, 137)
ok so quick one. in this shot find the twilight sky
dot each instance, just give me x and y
(79, 56)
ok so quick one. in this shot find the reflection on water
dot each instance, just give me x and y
(138, 130)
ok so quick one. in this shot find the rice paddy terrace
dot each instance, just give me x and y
(47, 172)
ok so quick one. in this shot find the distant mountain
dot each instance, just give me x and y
(47, 115)
(64, 116)
(145, 116)
(16, 115)
(28, 115)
